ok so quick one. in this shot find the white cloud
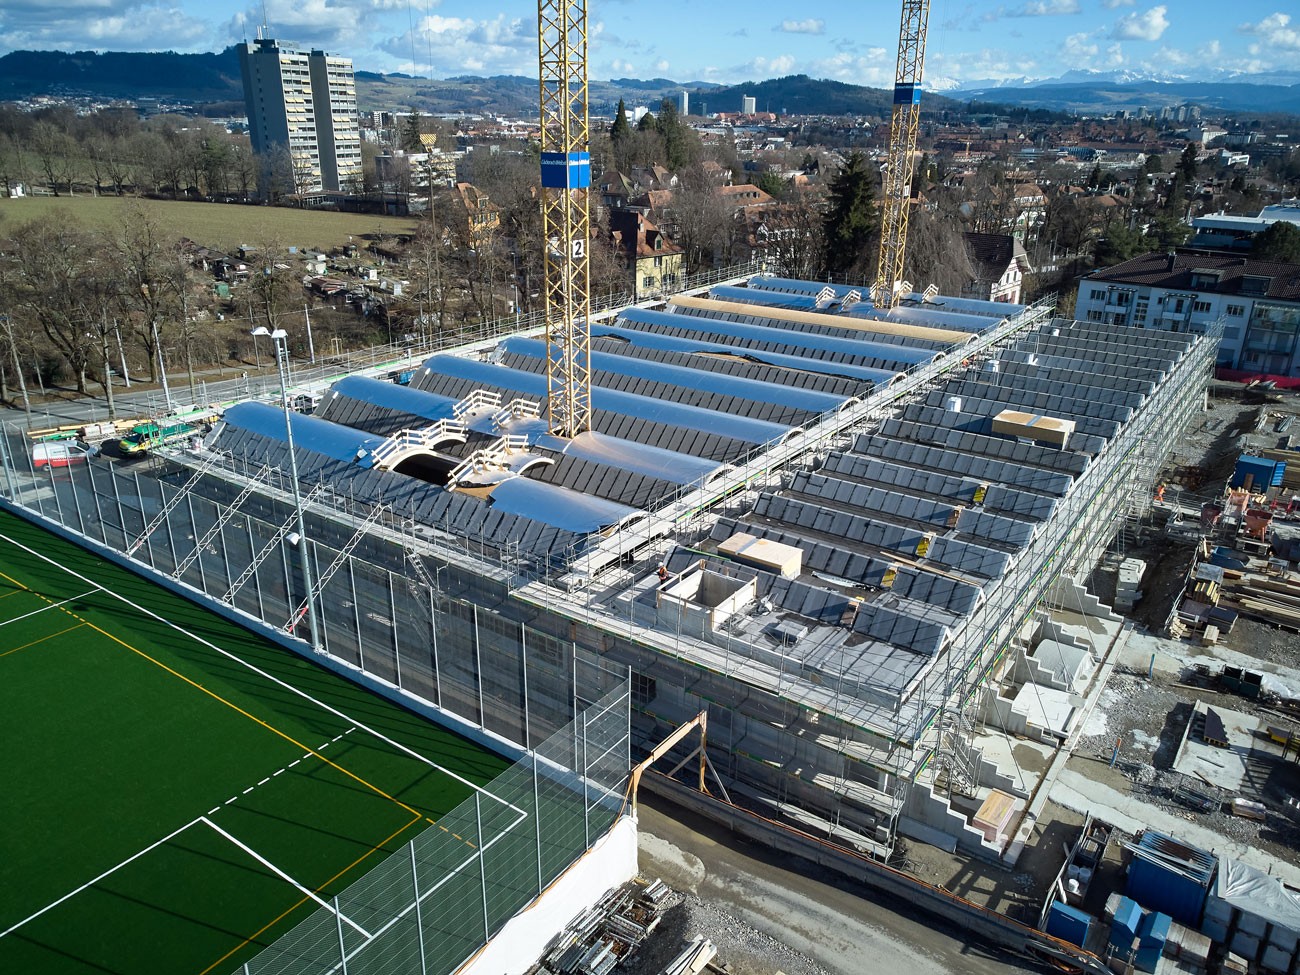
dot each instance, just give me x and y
(1276, 32)
(662, 65)
(874, 67)
(1148, 25)
(1113, 4)
(810, 26)
(1044, 8)
(102, 25)
(450, 46)
(782, 64)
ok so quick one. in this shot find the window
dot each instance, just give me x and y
(1097, 294)
(644, 689)
(1200, 306)
(1094, 316)
(1232, 332)
(1236, 311)
(1177, 305)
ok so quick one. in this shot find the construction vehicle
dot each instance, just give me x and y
(148, 436)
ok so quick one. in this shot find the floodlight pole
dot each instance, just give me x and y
(280, 343)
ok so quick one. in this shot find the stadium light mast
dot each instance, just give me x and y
(901, 166)
(566, 217)
(280, 344)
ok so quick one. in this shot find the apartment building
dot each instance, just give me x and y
(305, 104)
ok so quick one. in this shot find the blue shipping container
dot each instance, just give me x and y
(1068, 923)
(1259, 471)
(1171, 877)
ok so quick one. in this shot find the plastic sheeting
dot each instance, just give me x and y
(395, 397)
(309, 432)
(800, 399)
(557, 506)
(1254, 892)
(613, 401)
(640, 458)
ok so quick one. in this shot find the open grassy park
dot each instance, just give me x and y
(221, 225)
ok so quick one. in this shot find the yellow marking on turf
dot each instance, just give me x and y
(303, 900)
(252, 717)
(43, 639)
(15, 592)
(212, 694)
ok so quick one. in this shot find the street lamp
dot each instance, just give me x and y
(280, 342)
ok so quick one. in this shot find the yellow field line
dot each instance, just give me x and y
(270, 924)
(252, 717)
(212, 694)
(44, 638)
(15, 592)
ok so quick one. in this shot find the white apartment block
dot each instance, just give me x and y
(307, 104)
(1257, 302)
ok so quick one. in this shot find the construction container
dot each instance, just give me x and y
(1068, 923)
(1257, 474)
(1171, 877)
(1124, 928)
(1152, 935)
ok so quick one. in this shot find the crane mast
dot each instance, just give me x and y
(566, 219)
(901, 164)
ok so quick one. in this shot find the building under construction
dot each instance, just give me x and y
(831, 525)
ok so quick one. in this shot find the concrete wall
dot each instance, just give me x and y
(610, 863)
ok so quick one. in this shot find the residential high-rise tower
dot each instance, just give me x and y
(302, 116)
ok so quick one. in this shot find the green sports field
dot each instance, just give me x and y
(178, 792)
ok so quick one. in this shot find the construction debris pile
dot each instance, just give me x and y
(602, 937)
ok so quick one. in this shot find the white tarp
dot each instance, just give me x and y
(1253, 891)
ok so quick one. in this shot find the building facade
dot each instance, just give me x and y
(302, 116)
(1257, 301)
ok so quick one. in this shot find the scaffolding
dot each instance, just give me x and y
(475, 628)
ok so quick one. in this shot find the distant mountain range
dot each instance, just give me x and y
(213, 81)
(1107, 91)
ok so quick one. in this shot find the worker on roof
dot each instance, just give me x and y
(663, 572)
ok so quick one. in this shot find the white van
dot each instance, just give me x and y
(61, 453)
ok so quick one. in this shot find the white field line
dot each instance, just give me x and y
(274, 680)
(281, 770)
(91, 883)
(46, 609)
(285, 877)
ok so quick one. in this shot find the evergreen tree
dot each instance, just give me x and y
(676, 136)
(620, 130)
(647, 123)
(410, 137)
(1280, 242)
(1187, 162)
(851, 222)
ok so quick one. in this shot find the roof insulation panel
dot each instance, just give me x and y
(679, 415)
(764, 338)
(700, 346)
(795, 320)
(806, 401)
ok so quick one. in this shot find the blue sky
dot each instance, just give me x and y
(702, 40)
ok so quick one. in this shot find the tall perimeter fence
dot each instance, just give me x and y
(414, 627)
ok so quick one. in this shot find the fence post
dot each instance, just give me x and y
(482, 867)
(419, 908)
(343, 951)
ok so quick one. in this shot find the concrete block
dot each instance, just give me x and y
(1246, 945)
(1276, 959)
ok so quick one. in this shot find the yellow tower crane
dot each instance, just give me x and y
(566, 218)
(901, 165)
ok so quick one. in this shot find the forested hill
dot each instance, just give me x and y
(801, 95)
(119, 74)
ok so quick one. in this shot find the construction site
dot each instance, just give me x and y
(876, 539)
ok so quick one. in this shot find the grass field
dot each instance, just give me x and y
(221, 225)
(177, 791)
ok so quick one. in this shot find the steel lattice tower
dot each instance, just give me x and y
(902, 148)
(566, 219)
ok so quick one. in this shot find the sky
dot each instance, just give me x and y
(854, 41)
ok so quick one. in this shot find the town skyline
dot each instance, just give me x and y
(969, 45)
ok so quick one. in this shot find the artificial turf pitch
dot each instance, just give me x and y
(167, 806)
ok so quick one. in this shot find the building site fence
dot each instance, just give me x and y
(418, 631)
